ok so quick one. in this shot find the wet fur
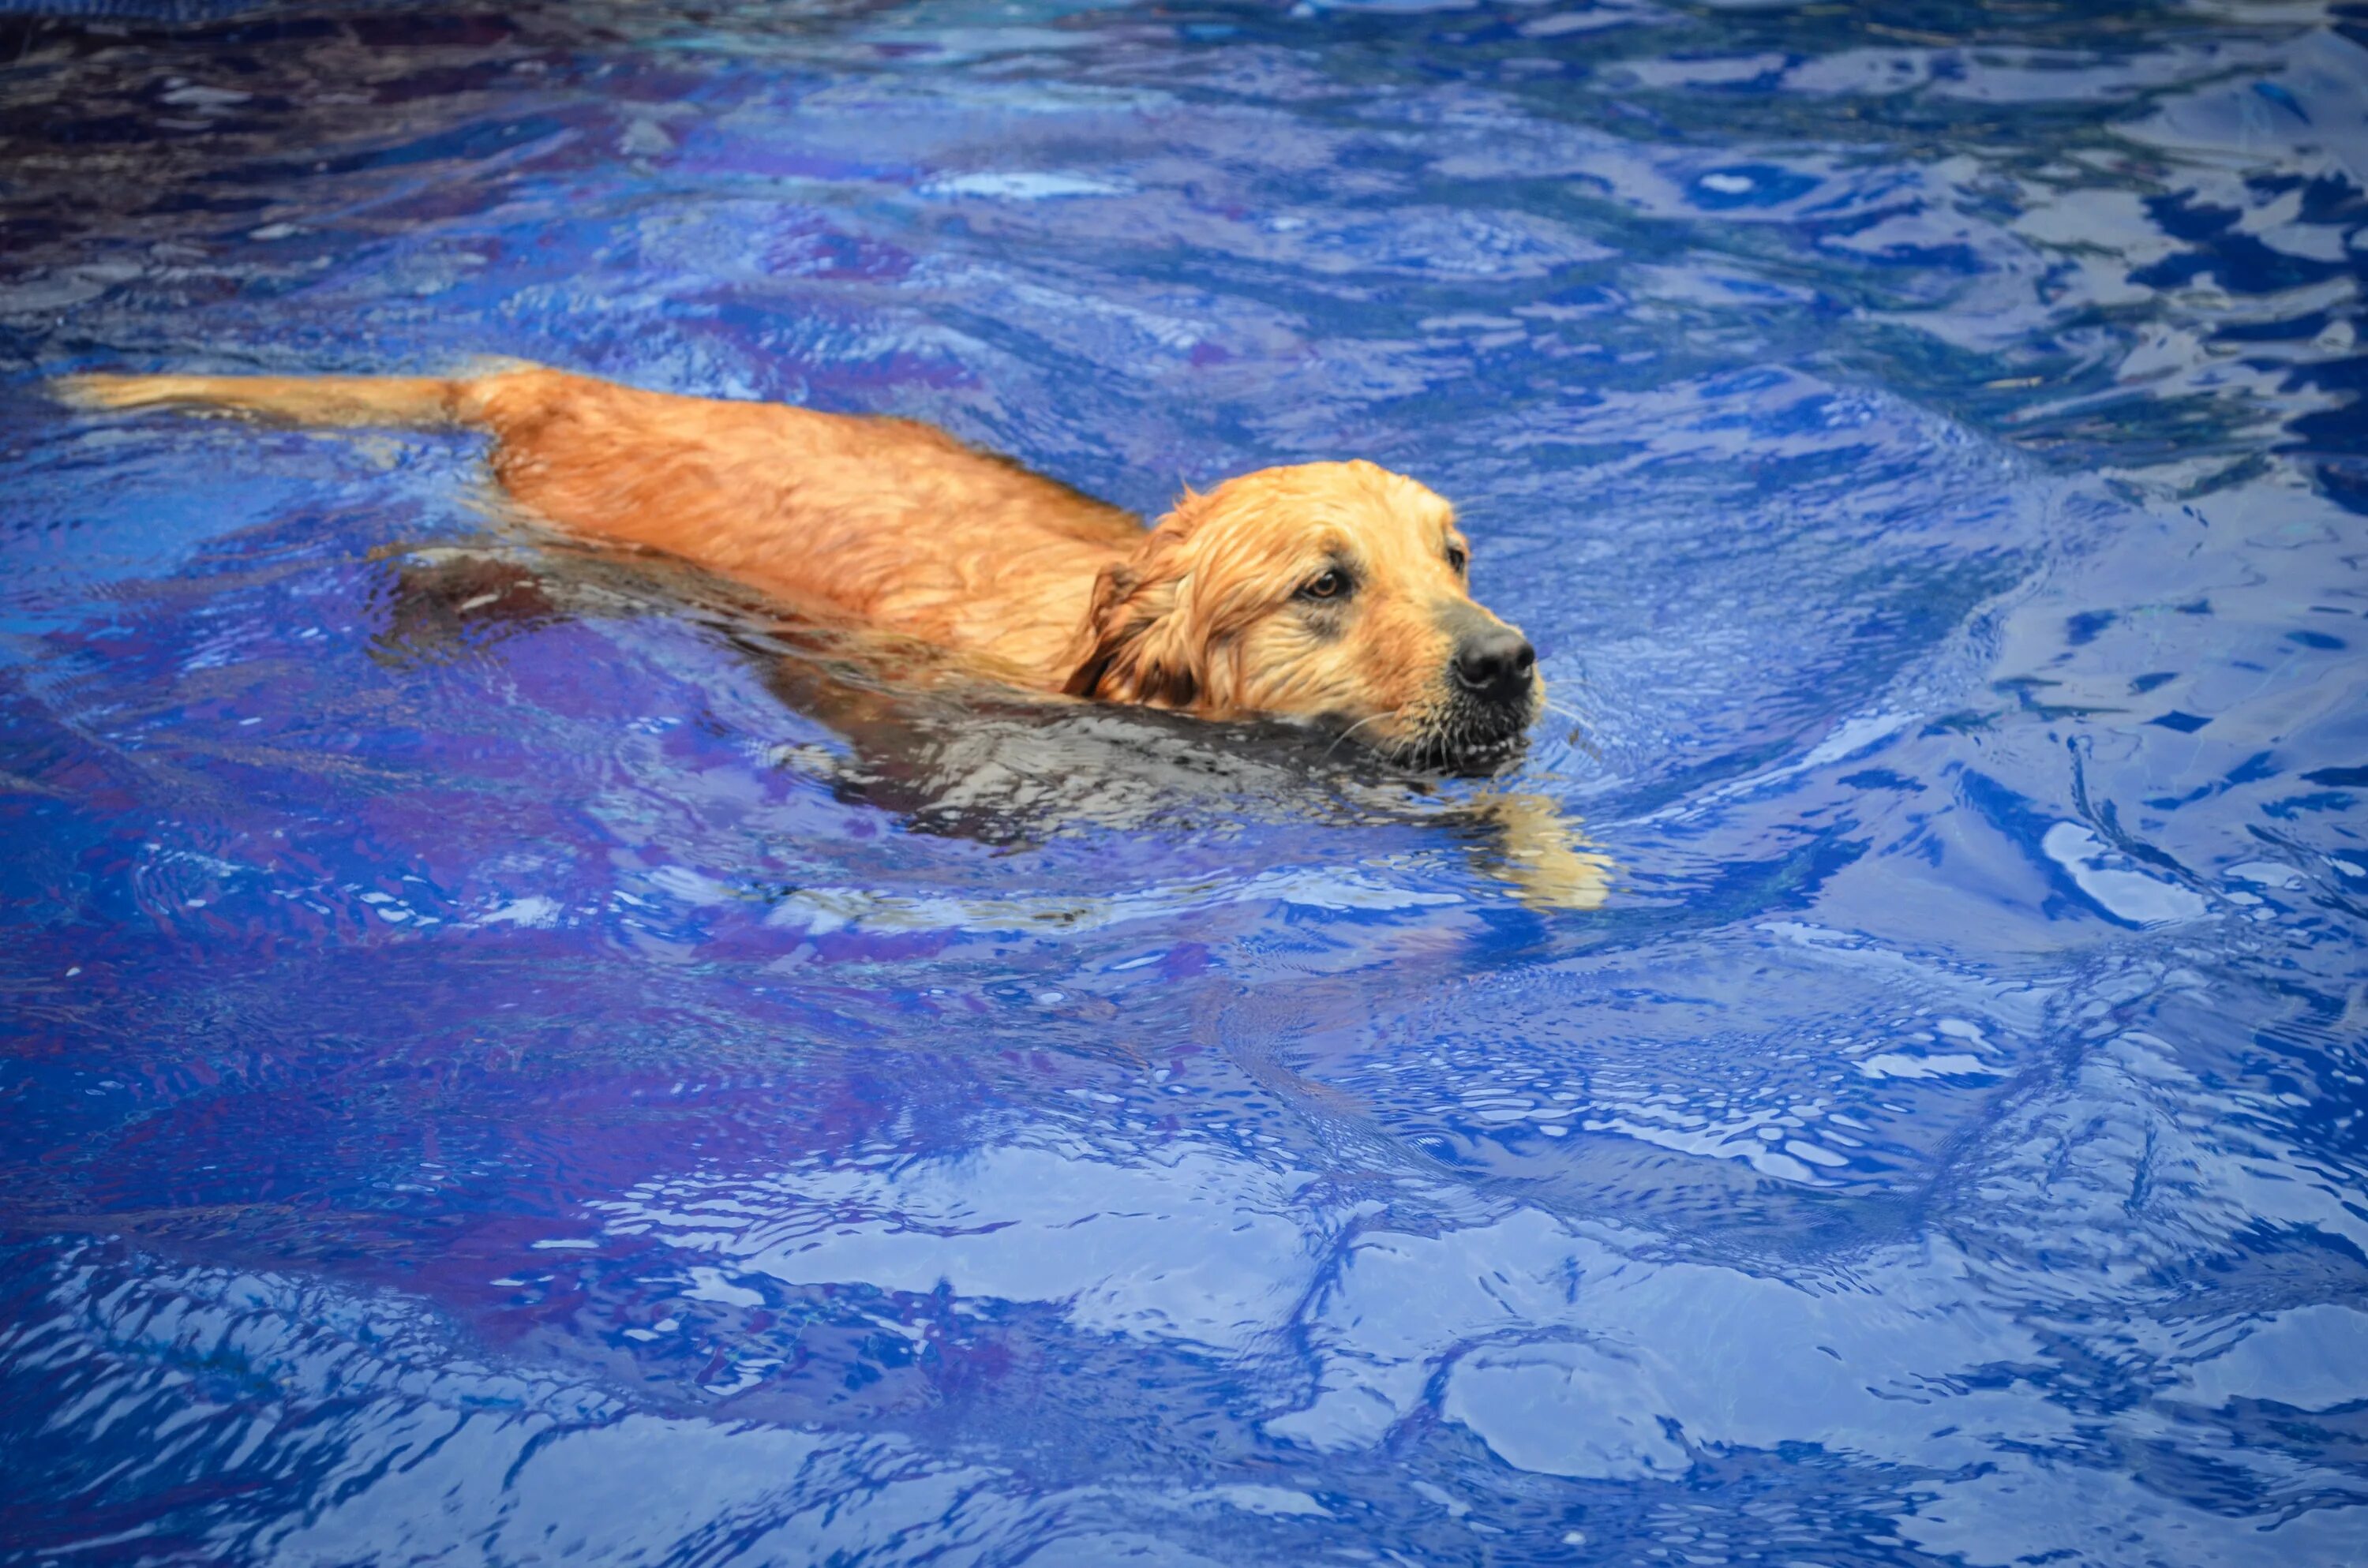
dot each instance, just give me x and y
(896, 525)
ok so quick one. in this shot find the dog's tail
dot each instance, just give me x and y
(412, 402)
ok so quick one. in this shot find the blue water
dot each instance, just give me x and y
(500, 1065)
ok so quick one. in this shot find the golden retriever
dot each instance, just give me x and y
(1333, 593)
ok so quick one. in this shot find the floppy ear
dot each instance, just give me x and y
(1135, 644)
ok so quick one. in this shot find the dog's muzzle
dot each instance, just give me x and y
(1490, 693)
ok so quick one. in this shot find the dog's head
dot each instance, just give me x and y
(1333, 592)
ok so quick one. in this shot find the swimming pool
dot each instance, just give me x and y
(491, 1074)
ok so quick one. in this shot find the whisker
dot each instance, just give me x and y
(1369, 718)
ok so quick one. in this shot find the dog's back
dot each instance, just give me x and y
(887, 519)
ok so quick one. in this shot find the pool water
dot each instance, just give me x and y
(511, 1054)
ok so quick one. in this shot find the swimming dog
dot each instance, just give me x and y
(1332, 593)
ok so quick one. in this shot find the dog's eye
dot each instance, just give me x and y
(1333, 585)
(1458, 557)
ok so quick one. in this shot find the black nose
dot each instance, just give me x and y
(1494, 665)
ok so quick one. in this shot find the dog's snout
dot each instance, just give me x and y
(1495, 664)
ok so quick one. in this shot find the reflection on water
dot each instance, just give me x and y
(513, 1053)
(916, 735)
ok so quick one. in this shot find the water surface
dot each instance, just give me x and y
(506, 1058)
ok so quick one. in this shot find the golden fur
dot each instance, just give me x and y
(1218, 609)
